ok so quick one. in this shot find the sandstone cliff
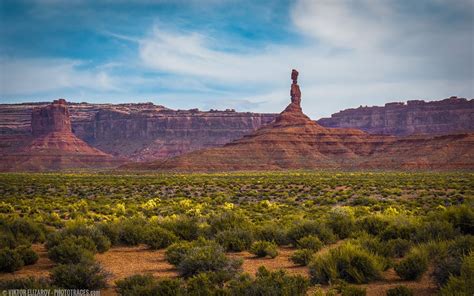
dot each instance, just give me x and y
(452, 115)
(293, 141)
(136, 131)
(53, 146)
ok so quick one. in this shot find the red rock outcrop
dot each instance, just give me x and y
(53, 146)
(452, 115)
(293, 141)
(136, 131)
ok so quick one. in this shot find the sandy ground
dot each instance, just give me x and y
(124, 261)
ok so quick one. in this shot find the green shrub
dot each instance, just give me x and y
(175, 253)
(158, 238)
(348, 262)
(136, 285)
(200, 256)
(373, 224)
(24, 229)
(28, 256)
(402, 228)
(31, 283)
(310, 242)
(272, 233)
(132, 232)
(397, 248)
(302, 256)
(264, 248)
(10, 260)
(276, 283)
(226, 221)
(349, 290)
(413, 265)
(184, 227)
(7, 240)
(341, 221)
(203, 284)
(461, 217)
(147, 285)
(72, 250)
(310, 227)
(399, 291)
(464, 283)
(85, 275)
(435, 230)
(449, 264)
(111, 231)
(235, 240)
(96, 240)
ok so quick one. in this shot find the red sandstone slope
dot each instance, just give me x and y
(293, 141)
(53, 146)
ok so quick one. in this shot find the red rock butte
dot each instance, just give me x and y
(53, 146)
(294, 141)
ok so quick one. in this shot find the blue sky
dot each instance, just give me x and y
(236, 54)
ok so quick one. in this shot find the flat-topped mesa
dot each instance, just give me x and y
(52, 118)
(293, 114)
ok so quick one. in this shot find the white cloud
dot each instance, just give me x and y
(29, 76)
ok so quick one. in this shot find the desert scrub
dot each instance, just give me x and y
(140, 285)
(72, 250)
(264, 249)
(310, 227)
(310, 242)
(235, 240)
(276, 283)
(399, 291)
(348, 262)
(302, 257)
(464, 283)
(413, 265)
(85, 275)
(25, 283)
(28, 256)
(191, 258)
(449, 261)
(157, 237)
(272, 232)
(10, 260)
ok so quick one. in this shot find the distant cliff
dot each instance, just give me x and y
(452, 115)
(136, 131)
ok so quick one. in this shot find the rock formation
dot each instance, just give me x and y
(452, 115)
(53, 146)
(293, 141)
(136, 131)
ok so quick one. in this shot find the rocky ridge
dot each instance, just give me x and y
(448, 116)
(136, 131)
(293, 141)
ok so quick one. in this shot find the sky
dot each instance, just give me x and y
(237, 54)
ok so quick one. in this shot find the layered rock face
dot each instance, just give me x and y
(52, 118)
(136, 131)
(53, 146)
(452, 115)
(293, 141)
(141, 136)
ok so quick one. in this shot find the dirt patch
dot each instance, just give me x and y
(122, 262)
(252, 263)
